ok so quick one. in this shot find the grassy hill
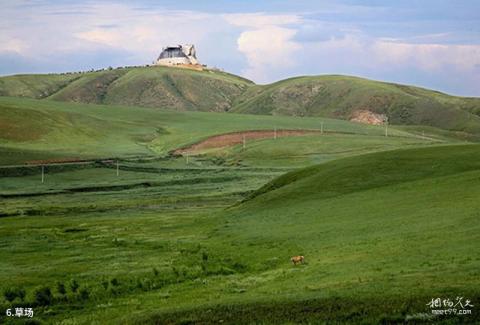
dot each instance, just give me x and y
(341, 96)
(374, 228)
(333, 96)
(41, 129)
(177, 89)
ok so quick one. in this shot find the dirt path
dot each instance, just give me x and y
(234, 138)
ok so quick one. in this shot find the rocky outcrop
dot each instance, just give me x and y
(368, 117)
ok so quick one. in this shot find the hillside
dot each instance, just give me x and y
(33, 129)
(372, 228)
(177, 89)
(343, 96)
(333, 96)
(354, 174)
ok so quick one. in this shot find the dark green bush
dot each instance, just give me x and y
(21, 294)
(43, 296)
(105, 284)
(74, 285)
(84, 293)
(10, 294)
(61, 288)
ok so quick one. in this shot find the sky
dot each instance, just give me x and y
(429, 43)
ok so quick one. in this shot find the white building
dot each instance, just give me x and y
(178, 55)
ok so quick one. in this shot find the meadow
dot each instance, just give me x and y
(385, 223)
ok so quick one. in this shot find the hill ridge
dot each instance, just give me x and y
(333, 96)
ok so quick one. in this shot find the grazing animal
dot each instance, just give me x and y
(297, 259)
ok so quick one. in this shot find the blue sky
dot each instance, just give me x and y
(434, 44)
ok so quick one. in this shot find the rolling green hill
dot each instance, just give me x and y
(177, 89)
(333, 96)
(41, 129)
(372, 228)
(341, 96)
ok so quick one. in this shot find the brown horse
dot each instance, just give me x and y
(297, 259)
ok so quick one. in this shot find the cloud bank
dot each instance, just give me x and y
(400, 44)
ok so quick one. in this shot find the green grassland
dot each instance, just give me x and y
(332, 96)
(34, 129)
(165, 242)
(386, 223)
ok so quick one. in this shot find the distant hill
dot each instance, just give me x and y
(341, 96)
(162, 87)
(334, 96)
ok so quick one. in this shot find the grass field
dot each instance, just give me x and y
(161, 242)
(385, 223)
(33, 129)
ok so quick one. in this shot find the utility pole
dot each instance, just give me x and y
(118, 169)
(43, 174)
(386, 126)
(275, 133)
(321, 127)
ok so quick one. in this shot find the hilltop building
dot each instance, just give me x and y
(180, 55)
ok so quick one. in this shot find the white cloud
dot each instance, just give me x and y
(267, 44)
(261, 20)
(65, 29)
(427, 56)
(269, 48)
(13, 45)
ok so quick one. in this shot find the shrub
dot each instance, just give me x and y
(43, 296)
(114, 282)
(84, 293)
(155, 271)
(21, 294)
(10, 294)
(239, 267)
(74, 285)
(61, 288)
(105, 284)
